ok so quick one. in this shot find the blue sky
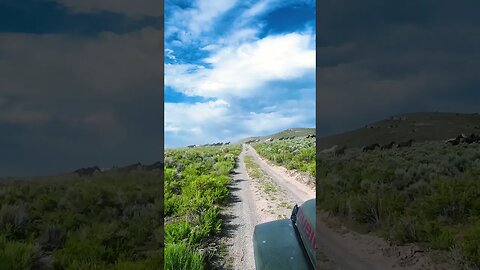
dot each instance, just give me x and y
(237, 68)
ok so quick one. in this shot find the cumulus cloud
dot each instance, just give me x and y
(239, 71)
(188, 116)
(256, 83)
(207, 122)
(258, 123)
(200, 122)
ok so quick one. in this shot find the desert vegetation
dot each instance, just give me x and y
(295, 153)
(103, 221)
(427, 194)
(196, 186)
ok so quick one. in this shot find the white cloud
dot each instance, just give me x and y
(256, 9)
(240, 68)
(134, 9)
(264, 6)
(183, 117)
(238, 37)
(169, 53)
(214, 121)
(190, 23)
(238, 71)
(259, 123)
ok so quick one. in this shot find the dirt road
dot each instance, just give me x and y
(260, 193)
(243, 219)
(342, 249)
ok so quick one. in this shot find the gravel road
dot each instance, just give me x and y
(243, 218)
(251, 205)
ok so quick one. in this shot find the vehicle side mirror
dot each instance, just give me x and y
(293, 217)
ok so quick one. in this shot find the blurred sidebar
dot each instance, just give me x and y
(81, 134)
(398, 161)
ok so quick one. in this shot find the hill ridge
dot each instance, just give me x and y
(289, 132)
(419, 126)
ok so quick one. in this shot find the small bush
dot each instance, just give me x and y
(444, 240)
(17, 255)
(471, 244)
(182, 257)
(403, 231)
(14, 220)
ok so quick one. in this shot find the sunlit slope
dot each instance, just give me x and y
(291, 132)
(424, 126)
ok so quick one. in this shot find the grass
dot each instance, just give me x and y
(284, 204)
(294, 154)
(105, 221)
(427, 194)
(266, 183)
(181, 257)
(196, 186)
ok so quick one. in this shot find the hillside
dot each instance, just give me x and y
(423, 126)
(291, 132)
(426, 196)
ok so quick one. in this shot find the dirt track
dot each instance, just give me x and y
(243, 219)
(257, 200)
(342, 249)
(253, 204)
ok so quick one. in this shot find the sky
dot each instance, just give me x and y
(80, 85)
(377, 58)
(235, 69)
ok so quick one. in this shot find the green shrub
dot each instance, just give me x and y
(298, 154)
(192, 196)
(81, 253)
(87, 222)
(177, 232)
(403, 231)
(471, 243)
(444, 240)
(181, 257)
(428, 193)
(14, 220)
(17, 255)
